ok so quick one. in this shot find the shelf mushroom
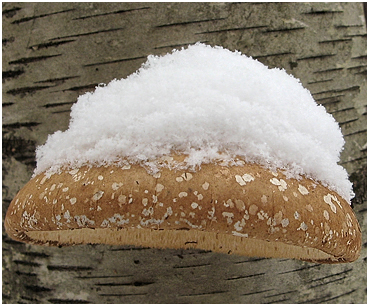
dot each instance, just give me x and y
(201, 148)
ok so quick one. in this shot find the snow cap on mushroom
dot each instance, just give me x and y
(210, 104)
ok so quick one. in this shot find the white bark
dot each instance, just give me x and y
(53, 52)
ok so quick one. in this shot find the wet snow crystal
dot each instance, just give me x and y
(210, 104)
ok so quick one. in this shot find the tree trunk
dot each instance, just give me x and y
(53, 52)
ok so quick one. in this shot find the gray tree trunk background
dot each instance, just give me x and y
(53, 52)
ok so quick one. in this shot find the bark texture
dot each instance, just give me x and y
(53, 52)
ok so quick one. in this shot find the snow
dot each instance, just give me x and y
(208, 103)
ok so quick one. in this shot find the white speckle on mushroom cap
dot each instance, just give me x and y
(240, 180)
(83, 221)
(73, 201)
(228, 203)
(240, 205)
(43, 180)
(248, 177)
(253, 209)
(116, 219)
(41, 195)
(179, 179)
(348, 220)
(116, 186)
(98, 195)
(100, 177)
(262, 215)
(168, 213)
(285, 222)
(190, 224)
(239, 225)
(277, 218)
(74, 171)
(122, 198)
(282, 185)
(187, 176)
(328, 199)
(205, 186)
(105, 223)
(240, 234)
(159, 188)
(264, 199)
(211, 214)
(192, 214)
(148, 211)
(296, 215)
(229, 216)
(246, 216)
(309, 208)
(194, 205)
(183, 194)
(303, 190)
(145, 201)
(67, 216)
(326, 215)
(303, 226)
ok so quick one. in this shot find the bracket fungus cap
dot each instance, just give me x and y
(202, 148)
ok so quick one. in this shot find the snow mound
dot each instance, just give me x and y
(210, 104)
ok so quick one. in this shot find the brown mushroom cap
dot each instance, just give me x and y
(246, 210)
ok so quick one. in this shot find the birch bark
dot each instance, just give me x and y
(53, 52)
